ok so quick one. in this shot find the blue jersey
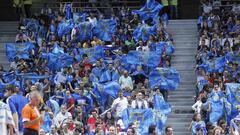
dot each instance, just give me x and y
(16, 104)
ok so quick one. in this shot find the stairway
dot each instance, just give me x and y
(8, 31)
(184, 34)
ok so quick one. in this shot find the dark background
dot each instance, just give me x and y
(188, 9)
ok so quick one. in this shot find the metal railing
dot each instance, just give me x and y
(80, 5)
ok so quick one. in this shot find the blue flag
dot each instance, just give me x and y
(159, 119)
(93, 53)
(32, 25)
(84, 30)
(109, 76)
(79, 17)
(20, 50)
(64, 28)
(149, 10)
(161, 105)
(149, 59)
(233, 97)
(216, 106)
(143, 32)
(68, 11)
(215, 65)
(57, 49)
(58, 61)
(165, 78)
(110, 88)
(143, 118)
(104, 29)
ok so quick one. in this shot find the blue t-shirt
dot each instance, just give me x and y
(16, 103)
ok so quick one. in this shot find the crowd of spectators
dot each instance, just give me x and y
(219, 39)
(68, 99)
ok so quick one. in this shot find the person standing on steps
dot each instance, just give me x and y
(27, 7)
(168, 130)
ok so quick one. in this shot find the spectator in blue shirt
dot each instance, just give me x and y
(16, 103)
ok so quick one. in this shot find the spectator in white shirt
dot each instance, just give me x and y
(139, 103)
(120, 104)
(53, 130)
(125, 81)
(63, 114)
(141, 47)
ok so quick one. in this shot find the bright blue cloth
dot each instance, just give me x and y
(32, 25)
(58, 61)
(84, 30)
(109, 76)
(233, 97)
(104, 29)
(64, 28)
(149, 11)
(165, 78)
(47, 122)
(79, 17)
(143, 32)
(93, 53)
(16, 104)
(144, 118)
(68, 11)
(20, 50)
(111, 88)
(216, 65)
(160, 104)
(201, 125)
(215, 99)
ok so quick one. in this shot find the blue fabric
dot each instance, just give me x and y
(165, 78)
(20, 50)
(111, 88)
(149, 59)
(47, 122)
(84, 30)
(161, 105)
(233, 97)
(32, 25)
(79, 17)
(8, 76)
(109, 76)
(143, 32)
(216, 106)
(100, 95)
(160, 120)
(57, 49)
(104, 29)
(201, 125)
(68, 11)
(93, 53)
(64, 28)
(58, 61)
(216, 65)
(149, 11)
(144, 118)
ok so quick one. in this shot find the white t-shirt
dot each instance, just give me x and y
(126, 82)
(5, 118)
(120, 104)
(139, 104)
(61, 117)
